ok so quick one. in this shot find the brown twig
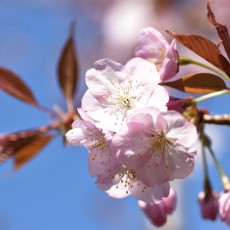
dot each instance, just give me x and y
(217, 119)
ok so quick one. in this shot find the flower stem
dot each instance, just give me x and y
(47, 110)
(204, 162)
(207, 184)
(186, 61)
(224, 178)
(223, 119)
(210, 95)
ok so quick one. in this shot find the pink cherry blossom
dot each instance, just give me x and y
(120, 182)
(156, 143)
(153, 47)
(98, 143)
(157, 212)
(114, 91)
(224, 210)
(209, 204)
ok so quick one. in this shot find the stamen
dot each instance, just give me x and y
(122, 97)
(159, 146)
(127, 178)
(99, 143)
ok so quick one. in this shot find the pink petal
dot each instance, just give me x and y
(182, 132)
(98, 160)
(128, 144)
(75, 137)
(144, 72)
(149, 194)
(118, 191)
(143, 117)
(99, 78)
(170, 66)
(169, 202)
(155, 212)
(95, 110)
(114, 182)
(158, 174)
(185, 135)
(78, 135)
(224, 208)
(159, 98)
(180, 164)
(110, 177)
(151, 44)
(89, 105)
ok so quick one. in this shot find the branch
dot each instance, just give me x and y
(217, 119)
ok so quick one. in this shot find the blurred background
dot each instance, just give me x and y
(54, 191)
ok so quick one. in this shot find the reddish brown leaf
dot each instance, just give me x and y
(68, 67)
(204, 48)
(12, 84)
(221, 30)
(225, 64)
(13, 142)
(28, 151)
(200, 83)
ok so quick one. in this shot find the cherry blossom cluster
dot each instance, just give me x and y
(137, 140)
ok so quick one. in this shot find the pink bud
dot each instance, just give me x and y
(156, 213)
(170, 201)
(209, 205)
(224, 202)
(179, 104)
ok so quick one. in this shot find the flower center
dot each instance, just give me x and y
(127, 179)
(123, 97)
(159, 146)
(159, 141)
(160, 55)
(97, 142)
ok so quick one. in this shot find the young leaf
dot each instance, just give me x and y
(13, 142)
(221, 30)
(204, 48)
(68, 67)
(10, 143)
(225, 65)
(200, 83)
(12, 84)
(28, 151)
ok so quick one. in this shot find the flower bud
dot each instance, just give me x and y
(170, 201)
(179, 104)
(224, 202)
(209, 204)
(156, 213)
